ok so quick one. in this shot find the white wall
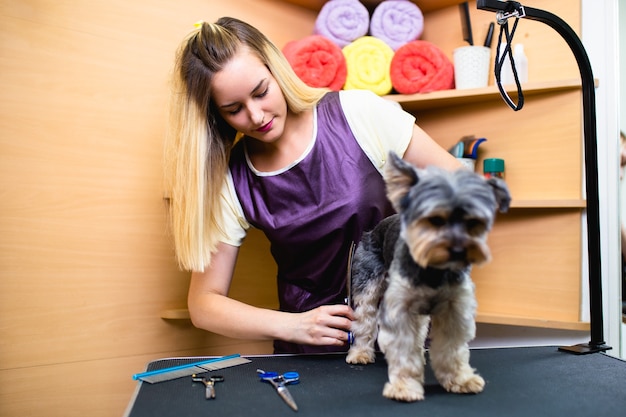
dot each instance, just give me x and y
(622, 90)
(600, 29)
(622, 118)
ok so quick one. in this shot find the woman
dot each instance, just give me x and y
(251, 145)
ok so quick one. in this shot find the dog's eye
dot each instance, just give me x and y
(437, 221)
(475, 226)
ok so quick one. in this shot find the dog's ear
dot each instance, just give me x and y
(501, 192)
(399, 176)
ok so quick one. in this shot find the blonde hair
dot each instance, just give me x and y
(199, 141)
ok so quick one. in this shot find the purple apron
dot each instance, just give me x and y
(312, 212)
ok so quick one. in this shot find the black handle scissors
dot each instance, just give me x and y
(209, 383)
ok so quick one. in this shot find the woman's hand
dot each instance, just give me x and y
(326, 325)
(211, 309)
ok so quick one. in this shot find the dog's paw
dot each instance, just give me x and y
(407, 390)
(471, 385)
(360, 357)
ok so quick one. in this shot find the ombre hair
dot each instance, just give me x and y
(199, 141)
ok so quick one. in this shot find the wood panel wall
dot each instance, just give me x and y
(85, 262)
(86, 267)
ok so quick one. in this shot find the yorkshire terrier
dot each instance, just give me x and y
(410, 277)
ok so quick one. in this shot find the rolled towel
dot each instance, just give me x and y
(342, 21)
(397, 22)
(318, 61)
(369, 60)
(421, 67)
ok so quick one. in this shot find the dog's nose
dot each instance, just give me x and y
(457, 253)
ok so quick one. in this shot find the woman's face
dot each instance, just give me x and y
(248, 97)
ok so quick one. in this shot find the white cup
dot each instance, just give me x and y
(471, 66)
(468, 163)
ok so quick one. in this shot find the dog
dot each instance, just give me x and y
(410, 277)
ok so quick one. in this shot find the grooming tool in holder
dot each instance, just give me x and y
(489, 37)
(471, 62)
(181, 371)
(466, 23)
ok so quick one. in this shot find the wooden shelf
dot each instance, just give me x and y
(176, 314)
(564, 204)
(183, 314)
(447, 98)
(531, 322)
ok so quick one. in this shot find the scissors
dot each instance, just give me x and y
(279, 382)
(348, 299)
(209, 383)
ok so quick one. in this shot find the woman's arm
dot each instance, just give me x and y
(212, 310)
(423, 151)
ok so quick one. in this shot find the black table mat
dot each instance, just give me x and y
(535, 381)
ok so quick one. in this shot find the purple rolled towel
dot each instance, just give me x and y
(397, 22)
(342, 21)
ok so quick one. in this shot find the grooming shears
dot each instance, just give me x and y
(209, 383)
(279, 382)
(348, 299)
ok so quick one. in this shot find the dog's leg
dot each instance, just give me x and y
(368, 285)
(364, 326)
(453, 327)
(401, 337)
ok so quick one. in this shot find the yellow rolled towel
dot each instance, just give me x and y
(368, 60)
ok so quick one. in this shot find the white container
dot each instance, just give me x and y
(506, 73)
(468, 163)
(471, 66)
(521, 65)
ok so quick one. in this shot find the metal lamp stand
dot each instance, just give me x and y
(505, 10)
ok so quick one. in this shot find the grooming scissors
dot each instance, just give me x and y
(348, 299)
(209, 383)
(279, 382)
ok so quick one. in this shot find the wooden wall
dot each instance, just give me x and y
(86, 266)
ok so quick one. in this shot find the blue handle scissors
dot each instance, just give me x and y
(279, 382)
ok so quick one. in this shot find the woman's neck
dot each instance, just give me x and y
(296, 138)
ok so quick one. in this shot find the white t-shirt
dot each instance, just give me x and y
(379, 126)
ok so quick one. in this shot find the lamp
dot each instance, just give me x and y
(505, 10)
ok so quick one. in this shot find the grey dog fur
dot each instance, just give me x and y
(399, 292)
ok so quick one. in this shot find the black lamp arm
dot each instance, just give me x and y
(504, 10)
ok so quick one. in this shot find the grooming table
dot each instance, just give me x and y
(531, 381)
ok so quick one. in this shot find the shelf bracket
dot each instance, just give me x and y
(510, 9)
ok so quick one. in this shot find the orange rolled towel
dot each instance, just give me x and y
(318, 61)
(421, 67)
